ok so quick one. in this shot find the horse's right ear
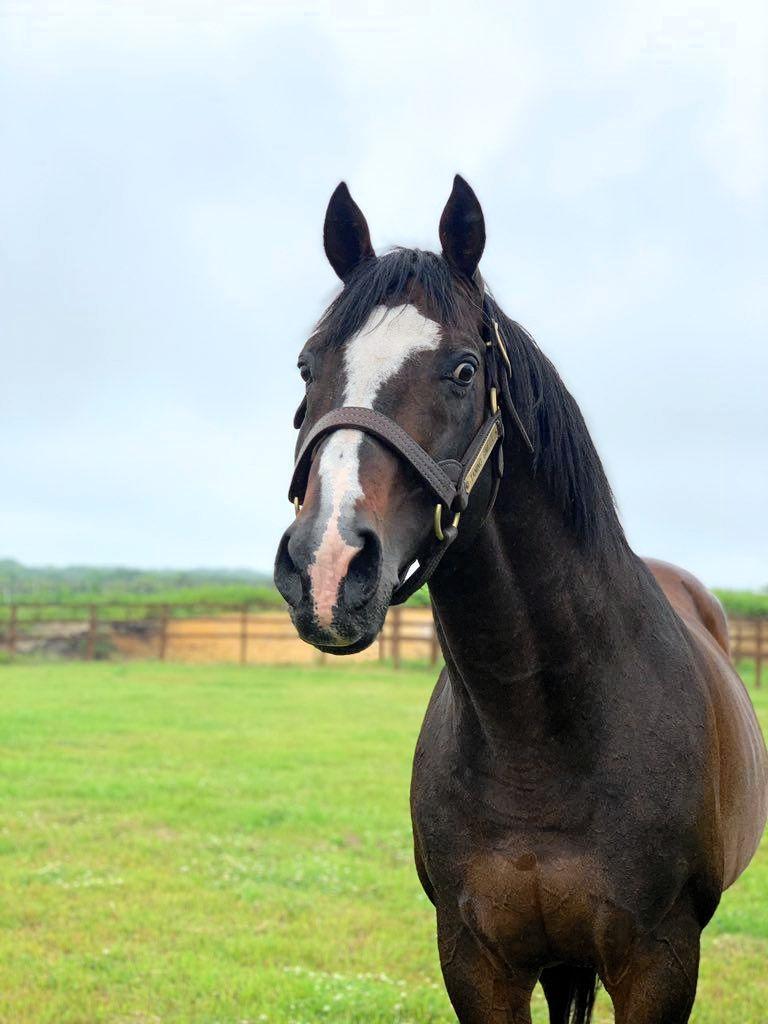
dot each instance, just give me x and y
(345, 233)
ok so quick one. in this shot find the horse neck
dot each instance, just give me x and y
(527, 617)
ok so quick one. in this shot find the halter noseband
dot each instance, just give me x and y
(450, 480)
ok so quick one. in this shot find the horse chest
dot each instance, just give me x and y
(538, 905)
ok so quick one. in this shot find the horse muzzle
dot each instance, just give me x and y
(332, 577)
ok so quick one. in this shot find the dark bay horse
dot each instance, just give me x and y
(590, 775)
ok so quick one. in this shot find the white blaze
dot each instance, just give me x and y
(372, 356)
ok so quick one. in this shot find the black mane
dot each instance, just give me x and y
(564, 453)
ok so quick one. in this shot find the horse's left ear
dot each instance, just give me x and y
(345, 233)
(462, 228)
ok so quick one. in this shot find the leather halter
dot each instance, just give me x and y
(450, 480)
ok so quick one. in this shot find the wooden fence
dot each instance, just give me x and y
(208, 632)
(749, 641)
(199, 632)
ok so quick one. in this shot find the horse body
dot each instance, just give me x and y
(590, 775)
(587, 810)
(742, 791)
(696, 606)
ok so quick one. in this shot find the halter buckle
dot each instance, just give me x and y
(297, 505)
(438, 521)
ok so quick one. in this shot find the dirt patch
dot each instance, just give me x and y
(54, 639)
(258, 638)
(134, 639)
(271, 639)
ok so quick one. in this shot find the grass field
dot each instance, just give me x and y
(227, 845)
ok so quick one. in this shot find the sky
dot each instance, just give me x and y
(164, 176)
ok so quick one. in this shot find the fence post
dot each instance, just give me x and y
(12, 630)
(434, 647)
(93, 617)
(164, 615)
(734, 631)
(395, 639)
(244, 635)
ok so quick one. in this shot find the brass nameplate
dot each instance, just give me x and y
(481, 458)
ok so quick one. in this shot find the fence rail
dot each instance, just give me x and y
(199, 631)
(205, 631)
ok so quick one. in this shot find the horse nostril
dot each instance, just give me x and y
(362, 579)
(287, 576)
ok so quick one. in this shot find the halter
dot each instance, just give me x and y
(450, 480)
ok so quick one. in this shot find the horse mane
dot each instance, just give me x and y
(564, 454)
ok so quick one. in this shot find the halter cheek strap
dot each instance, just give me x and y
(450, 480)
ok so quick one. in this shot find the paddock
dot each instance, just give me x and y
(199, 843)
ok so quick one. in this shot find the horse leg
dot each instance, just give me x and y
(658, 983)
(556, 982)
(565, 985)
(481, 989)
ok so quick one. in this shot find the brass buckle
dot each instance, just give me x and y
(297, 505)
(438, 521)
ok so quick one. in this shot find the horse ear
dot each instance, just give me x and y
(345, 233)
(462, 228)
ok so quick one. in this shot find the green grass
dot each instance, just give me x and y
(118, 602)
(227, 845)
(744, 602)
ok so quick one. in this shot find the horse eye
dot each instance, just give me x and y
(464, 373)
(305, 373)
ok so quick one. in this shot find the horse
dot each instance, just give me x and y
(590, 775)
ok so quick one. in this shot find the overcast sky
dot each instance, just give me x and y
(163, 182)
